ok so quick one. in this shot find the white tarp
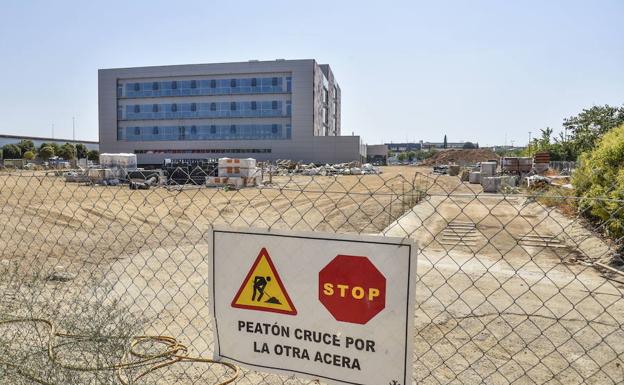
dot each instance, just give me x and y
(277, 297)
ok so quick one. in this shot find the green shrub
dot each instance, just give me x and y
(599, 182)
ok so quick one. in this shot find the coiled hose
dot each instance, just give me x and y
(173, 352)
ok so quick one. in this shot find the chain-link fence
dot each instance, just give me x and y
(108, 285)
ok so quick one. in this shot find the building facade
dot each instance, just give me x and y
(268, 110)
(377, 154)
(403, 147)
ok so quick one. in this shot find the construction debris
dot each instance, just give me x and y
(288, 167)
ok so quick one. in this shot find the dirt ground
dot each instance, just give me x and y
(494, 306)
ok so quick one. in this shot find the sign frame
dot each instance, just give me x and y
(410, 306)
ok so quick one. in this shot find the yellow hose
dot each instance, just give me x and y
(174, 352)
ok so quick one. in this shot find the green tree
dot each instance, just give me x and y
(55, 147)
(93, 156)
(402, 157)
(445, 145)
(599, 181)
(591, 124)
(46, 152)
(81, 151)
(469, 145)
(67, 151)
(26, 146)
(11, 151)
(29, 155)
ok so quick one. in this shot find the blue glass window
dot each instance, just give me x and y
(209, 132)
(244, 109)
(255, 85)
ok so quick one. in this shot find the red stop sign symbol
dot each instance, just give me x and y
(352, 289)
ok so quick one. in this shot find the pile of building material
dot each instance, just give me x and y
(488, 169)
(474, 177)
(440, 170)
(121, 160)
(285, 167)
(516, 165)
(286, 164)
(494, 184)
(541, 161)
(237, 173)
(453, 170)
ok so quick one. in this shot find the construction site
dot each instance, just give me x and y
(507, 281)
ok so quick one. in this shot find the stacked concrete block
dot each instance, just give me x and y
(474, 177)
(236, 173)
(495, 183)
(124, 161)
(488, 169)
(235, 167)
(491, 184)
(215, 181)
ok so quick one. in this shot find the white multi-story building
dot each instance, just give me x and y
(268, 110)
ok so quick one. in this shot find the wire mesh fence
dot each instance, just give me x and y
(108, 285)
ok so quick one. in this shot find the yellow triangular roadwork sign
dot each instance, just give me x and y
(263, 290)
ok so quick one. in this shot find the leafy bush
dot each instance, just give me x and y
(599, 182)
(46, 152)
(93, 155)
(11, 151)
(29, 155)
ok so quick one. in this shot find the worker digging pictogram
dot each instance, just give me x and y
(262, 289)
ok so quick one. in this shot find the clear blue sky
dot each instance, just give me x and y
(475, 70)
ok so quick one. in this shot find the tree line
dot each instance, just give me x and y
(581, 133)
(26, 149)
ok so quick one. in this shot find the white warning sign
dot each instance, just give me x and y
(335, 307)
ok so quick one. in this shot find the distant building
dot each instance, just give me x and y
(38, 141)
(403, 147)
(427, 146)
(268, 110)
(377, 154)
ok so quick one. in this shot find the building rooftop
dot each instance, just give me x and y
(8, 136)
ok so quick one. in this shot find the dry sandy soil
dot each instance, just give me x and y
(494, 305)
